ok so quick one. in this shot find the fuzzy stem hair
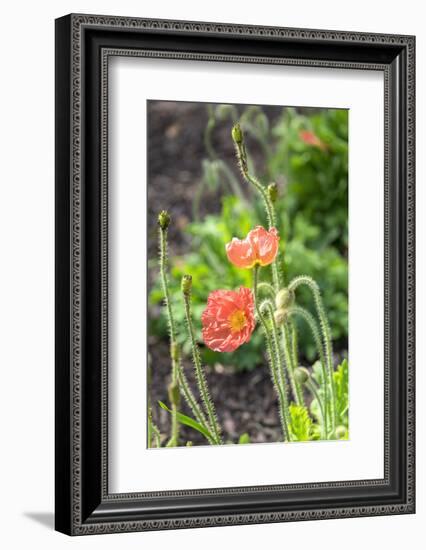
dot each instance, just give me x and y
(326, 334)
(199, 373)
(174, 438)
(310, 320)
(272, 348)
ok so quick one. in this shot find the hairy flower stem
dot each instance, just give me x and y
(241, 152)
(295, 355)
(272, 346)
(199, 373)
(149, 428)
(326, 334)
(310, 320)
(276, 271)
(153, 432)
(177, 368)
(192, 402)
(290, 349)
(174, 439)
(281, 361)
(312, 388)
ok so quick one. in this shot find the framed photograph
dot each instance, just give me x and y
(234, 274)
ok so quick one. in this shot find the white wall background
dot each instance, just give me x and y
(26, 289)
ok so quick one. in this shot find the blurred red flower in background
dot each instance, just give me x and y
(312, 139)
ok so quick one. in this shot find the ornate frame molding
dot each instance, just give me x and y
(73, 504)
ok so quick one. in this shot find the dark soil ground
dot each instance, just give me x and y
(245, 401)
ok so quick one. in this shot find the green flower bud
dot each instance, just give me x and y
(189, 443)
(186, 284)
(237, 134)
(341, 432)
(174, 394)
(302, 375)
(273, 192)
(284, 299)
(279, 316)
(164, 219)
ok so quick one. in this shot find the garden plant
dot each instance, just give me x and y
(286, 314)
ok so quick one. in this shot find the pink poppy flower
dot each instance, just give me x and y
(259, 247)
(228, 320)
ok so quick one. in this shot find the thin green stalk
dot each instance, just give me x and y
(240, 148)
(270, 214)
(164, 221)
(157, 435)
(282, 366)
(178, 374)
(149, 428)
(199, 373)
(153, 432)
(326, 334)
(273, 356)
(295, 355)
(311, 387)
(290, 347)
(174, 440)
(310, 320)
(192, 402)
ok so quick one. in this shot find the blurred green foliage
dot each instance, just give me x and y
(312, 212)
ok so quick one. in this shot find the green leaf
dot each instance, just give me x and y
(244, 439)
(301, 422)
(188, 421)
(315, 434)
(341, 383)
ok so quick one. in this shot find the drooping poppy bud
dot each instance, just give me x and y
(302, 375)
(284, 298)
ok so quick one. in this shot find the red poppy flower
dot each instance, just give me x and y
(228, 320)
(259, 247)
(312, 139)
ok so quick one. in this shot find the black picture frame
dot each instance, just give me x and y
(83, 46)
